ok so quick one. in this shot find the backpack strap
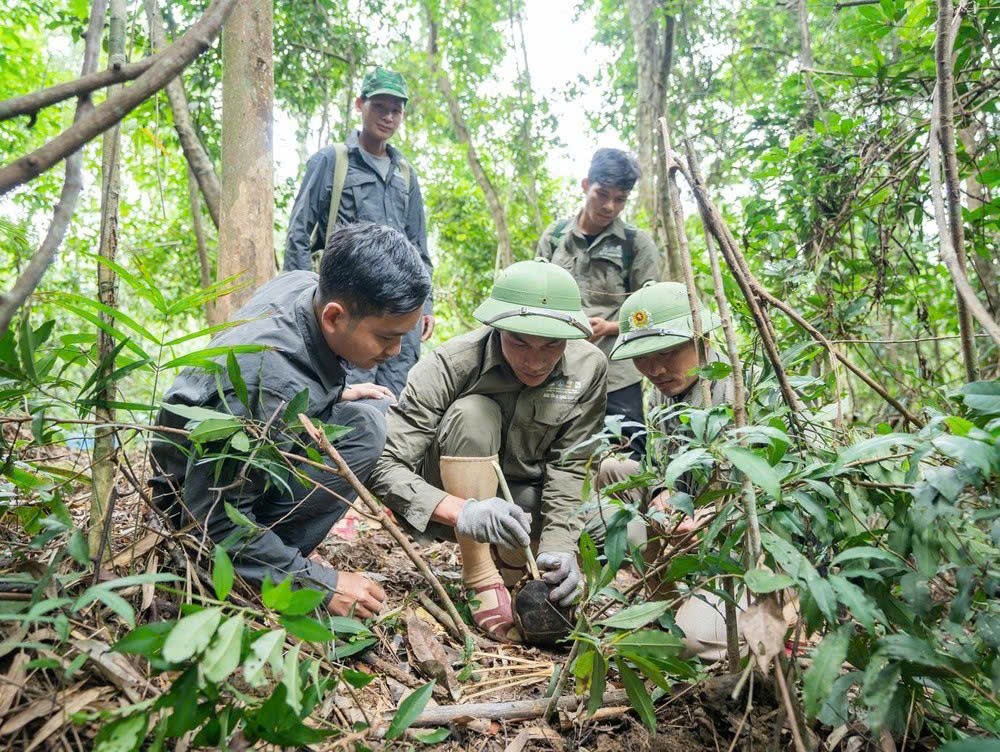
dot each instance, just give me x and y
(557, 234)
(337, 189)
(628, 253)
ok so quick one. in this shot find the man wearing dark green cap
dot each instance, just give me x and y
(365, 180)
(524, 392)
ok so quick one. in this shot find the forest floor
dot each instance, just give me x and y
(37, 702)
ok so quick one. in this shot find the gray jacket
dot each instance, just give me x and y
(281, 317)
(366, 198)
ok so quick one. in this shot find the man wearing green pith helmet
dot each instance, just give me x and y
(524, 392)
(657, 336)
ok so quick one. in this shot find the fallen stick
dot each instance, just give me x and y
(516, 710)
(463, 633)
(529, 555)
(393, 672)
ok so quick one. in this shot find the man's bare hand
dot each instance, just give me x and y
(358, 592)
(366, 391)
(428, 327)
(602, 328)
(661, 504)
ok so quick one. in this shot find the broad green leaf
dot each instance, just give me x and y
(588, 555)
(223, 653)
(207, 356)
(266, 649)
(298, 404)
(346, 625)
(871, 449)
(78, 548)
(345, 649)
(292, 681)
(860, 605)
(637, 616)
(982, 397)
(827, 659)
(755, 468)
(237, 517)
(191, 635)
(236, 379)
(434, 736)
(408, 710)
(110, 599)
(357, 679)
(123, 735)
(214, 429)
(303, 601)
(222, 573)
(867, 553)
(649, 643)
(912, 649)
(144, 640)
(276, 597)
(977, 454)
(972, 744)
(766, 581)
(797, 566)
(650, 670)
(115, 314)
(307, 628)
(598, 681)
(682, 464)
(195, 413)
(240, 442)
(637, 695)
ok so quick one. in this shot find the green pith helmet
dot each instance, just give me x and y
(657, 317)
(383, 81)
(535, 297)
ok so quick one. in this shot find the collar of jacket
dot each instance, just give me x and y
(353, 144)
(330, 367)
(493, 358)
(616, 228)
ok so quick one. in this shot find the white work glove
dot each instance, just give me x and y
(495, 521)
(561, 569)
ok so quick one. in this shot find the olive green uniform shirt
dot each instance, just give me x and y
(604, 282)
(545, 426)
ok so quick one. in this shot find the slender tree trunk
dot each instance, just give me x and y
(943, 133)
(194, 151)
(204, 263)
(505, 250)
(105, 460)
(646, 40)
(246, 212)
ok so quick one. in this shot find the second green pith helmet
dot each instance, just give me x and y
(535, 297)
(657, 317)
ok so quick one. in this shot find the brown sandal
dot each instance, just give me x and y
(496, 622)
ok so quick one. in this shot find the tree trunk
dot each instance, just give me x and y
(943, 131)
(246, 212)
(194, 151)
(204, 263)
(105, 458)
(527, 97)
(505, 250)
(645, 36)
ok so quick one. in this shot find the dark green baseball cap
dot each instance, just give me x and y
(383, 81)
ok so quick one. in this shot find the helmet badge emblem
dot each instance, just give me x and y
(640, 319)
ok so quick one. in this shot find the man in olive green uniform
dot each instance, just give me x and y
(525, 391)
(609, 259)
(656, 335)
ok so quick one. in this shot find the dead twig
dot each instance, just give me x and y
(462, 632)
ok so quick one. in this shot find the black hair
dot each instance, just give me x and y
(614, 168)
(372, 270)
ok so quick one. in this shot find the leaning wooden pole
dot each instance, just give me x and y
(378, 511)
(105, 467)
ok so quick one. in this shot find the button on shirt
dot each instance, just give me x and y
(599, 270)
(543, 424)
(280, 316)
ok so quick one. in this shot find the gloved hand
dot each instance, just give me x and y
(495, 521)
(561, 569)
